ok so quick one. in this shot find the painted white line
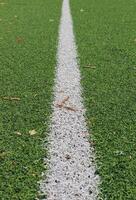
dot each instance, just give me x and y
(71, 174)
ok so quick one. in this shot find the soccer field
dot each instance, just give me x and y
(46, 116)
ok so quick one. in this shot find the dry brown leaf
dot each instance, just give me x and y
(65, 99)
(70, 108)
(61, 104)
(32, 132)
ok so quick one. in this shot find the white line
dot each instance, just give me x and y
(71, 174)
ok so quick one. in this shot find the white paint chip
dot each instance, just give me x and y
(71, 174)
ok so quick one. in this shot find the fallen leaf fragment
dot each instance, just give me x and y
(61, 104)
(32, 132)
(11, 98)
(15, 98)
(65, 99)
(90, 66)
(70, 108)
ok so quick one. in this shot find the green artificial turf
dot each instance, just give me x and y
(28, 41)
(106, 39)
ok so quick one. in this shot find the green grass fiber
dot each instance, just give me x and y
(106, 38)
(28, 45)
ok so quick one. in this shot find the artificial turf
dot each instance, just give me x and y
(106, 38)
(28, 41)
